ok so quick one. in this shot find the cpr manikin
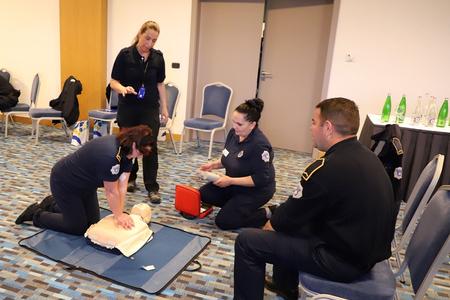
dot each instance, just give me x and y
(128, 241)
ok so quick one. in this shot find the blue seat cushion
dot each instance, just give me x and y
(202, 123)
(102, 114)
(378, 284)
(20, 107)
(45, 112)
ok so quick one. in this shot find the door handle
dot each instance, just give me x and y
(265, 74)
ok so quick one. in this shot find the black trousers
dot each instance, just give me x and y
(240, 206)
(129, 116)
(74, 211)
(256, 247)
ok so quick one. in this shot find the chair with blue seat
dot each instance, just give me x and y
(213, 114)
(419, 197)
(22, 109)
(5, 74)
(66, 100)
(173, 95)
(425, 253)
(109, 113)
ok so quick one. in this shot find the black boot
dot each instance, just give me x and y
(287, 294)
(28, 213)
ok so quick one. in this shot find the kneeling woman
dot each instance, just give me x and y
(249, 180)
(103, 162)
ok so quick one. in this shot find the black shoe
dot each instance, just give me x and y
(28, 213)
(154, 197)
(283, 293)
(131, 186)
(272, 208)
(47, 203)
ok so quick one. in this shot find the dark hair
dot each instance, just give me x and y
(252, 109)
(141, 135)
(342, 113)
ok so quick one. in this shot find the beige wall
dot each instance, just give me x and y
(398, 46)
(29, 31)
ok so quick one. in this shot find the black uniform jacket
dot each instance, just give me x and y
(344, 202)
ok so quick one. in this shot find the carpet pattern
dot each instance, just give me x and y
(24, 179)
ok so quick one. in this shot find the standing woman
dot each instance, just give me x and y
(249, 180)
(138, 77)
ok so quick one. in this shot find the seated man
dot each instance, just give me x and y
(338, 223)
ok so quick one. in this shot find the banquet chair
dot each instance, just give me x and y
(109, 113)
(213, 114)
(173, 95)
(22, 109)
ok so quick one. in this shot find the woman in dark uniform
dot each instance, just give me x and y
(138, 77)
(107, 162)
(249, 180)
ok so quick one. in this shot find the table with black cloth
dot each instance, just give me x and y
(420, 145)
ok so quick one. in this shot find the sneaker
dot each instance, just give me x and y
(154, 197)
(28, 213)
(131, 186)
(283, 293)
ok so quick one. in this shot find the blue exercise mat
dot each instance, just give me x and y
(170, 251)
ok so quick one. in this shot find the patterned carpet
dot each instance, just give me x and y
(24, 179)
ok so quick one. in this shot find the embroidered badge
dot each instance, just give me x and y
(298, 193)
(265, 156)
(240, 153)
(398, 173)
(115, 169)
(225, 152)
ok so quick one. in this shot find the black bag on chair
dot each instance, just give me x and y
(389, 150)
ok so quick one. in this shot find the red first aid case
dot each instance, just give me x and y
(188, 202)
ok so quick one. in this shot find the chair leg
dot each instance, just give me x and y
(210, 144)
(173, 142)
(111, 127)
(198, 138)
(37, 131)
(181, 141)
(65, 127)
(6, 125)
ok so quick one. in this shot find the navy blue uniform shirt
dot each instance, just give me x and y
(97, 161)
(130, 69)
(251, 157)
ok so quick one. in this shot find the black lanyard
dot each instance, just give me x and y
(145, 69)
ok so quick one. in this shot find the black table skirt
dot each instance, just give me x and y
(419, 148)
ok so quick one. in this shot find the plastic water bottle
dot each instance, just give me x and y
(431, 112)
(443, 113)
(386, 112)
(417, 115)
(401, 110)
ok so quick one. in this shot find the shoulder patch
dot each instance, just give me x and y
(397, 145)
(312, 168)
(119, 155)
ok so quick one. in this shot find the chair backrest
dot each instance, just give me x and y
(5, 74)
(173, 94)
(422, 191)
(34, 90)
(113, 101)
(216, 100)
(430, 243)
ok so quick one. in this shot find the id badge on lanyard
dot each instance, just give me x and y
(141, 92)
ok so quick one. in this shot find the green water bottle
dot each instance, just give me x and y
(386, 113)
(443, 113)
(401, 111)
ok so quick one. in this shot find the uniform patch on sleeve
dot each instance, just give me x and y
(118, 156)
(398, 173)
(397, 145)
(115, 169)
(298, 192)
(312, 168)
(265, 156)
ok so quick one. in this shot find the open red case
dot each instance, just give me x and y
(188, 202)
